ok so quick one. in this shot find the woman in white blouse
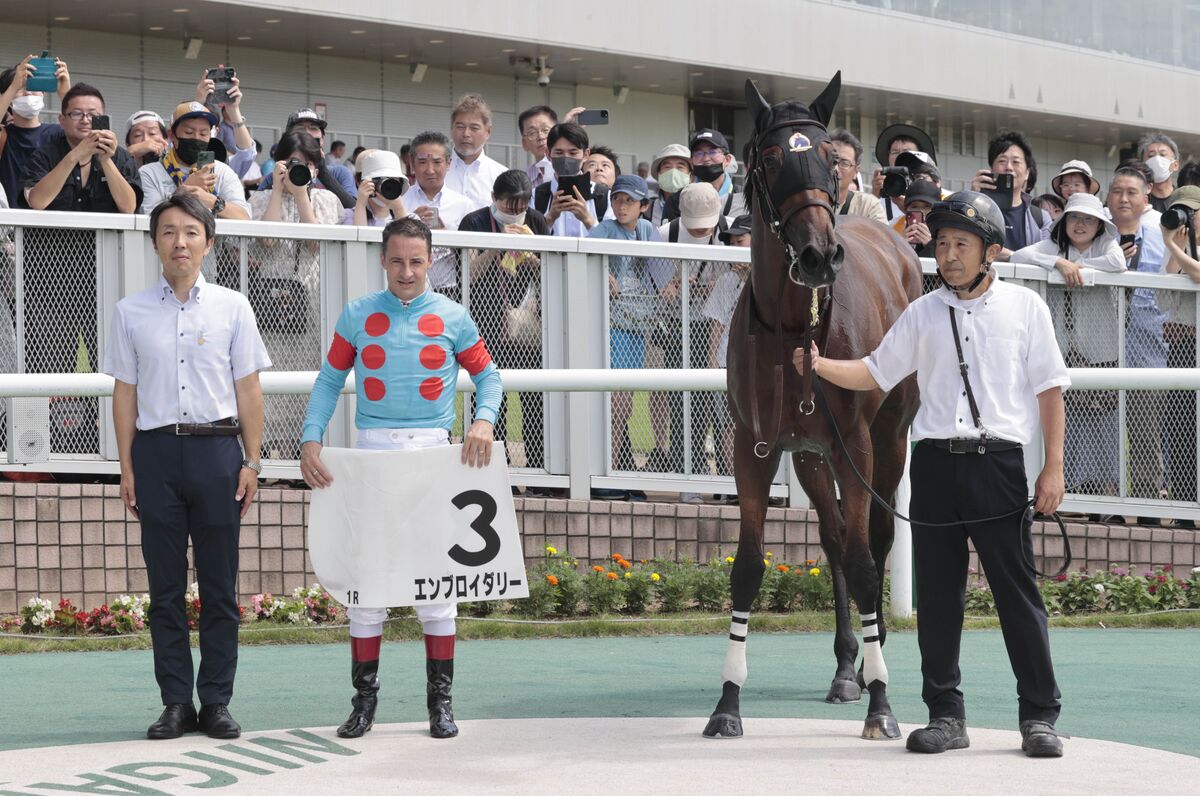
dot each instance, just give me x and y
(1085, 323)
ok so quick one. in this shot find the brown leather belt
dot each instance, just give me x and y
(227, 427)
(972, 445)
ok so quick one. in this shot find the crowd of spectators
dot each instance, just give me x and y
(574, 186)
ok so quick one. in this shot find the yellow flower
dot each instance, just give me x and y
(611, 576)
(654, 576)
(728, 559)
(629, 574)
(766, 563)
(815, 571)
(770, 554)
(552, 551)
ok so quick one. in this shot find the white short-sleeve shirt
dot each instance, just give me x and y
(184, 358)
(1011, 354)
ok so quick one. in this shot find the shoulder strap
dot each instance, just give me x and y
(1038, 217)
(601, 201)
(962, 369)
(844, 210)
(673, 231)
(728, 203)
(541, 198)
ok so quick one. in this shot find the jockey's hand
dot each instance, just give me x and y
(312, 468)
(477, 446)
(798, 358)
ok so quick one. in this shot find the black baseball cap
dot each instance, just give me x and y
(740, 226)
(305, 115)
(708, 135)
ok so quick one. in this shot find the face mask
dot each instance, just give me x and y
(188, 149)
(1160, 168)
(673, 180)
(503, 218)
(708, 172)
(28, 107)
(566, 167)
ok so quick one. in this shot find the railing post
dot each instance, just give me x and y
(586, 347)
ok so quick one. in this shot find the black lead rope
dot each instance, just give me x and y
(1025, 510)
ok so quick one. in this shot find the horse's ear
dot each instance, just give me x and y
(756, 103)
(822, 107)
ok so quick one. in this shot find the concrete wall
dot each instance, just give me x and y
(79, 542)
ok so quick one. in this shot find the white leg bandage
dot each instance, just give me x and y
(735, 656)
(874, 669)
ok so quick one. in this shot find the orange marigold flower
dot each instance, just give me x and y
(617, 556)
(624, 564)
(552, 580)
(611, 576)
(597, 568)
(810, 562)
(782, 568)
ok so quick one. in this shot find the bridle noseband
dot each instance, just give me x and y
(776, 221)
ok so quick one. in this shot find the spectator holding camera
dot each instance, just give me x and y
(145, 137)
(80, 168)
(472, 173)
(295, 196)
(24, 133)
(1011, 175)
(337, 179)
(847, 157)
(233, 133)
(894, 140)
(1160, 153)
(569, 213)
(214, 184)
(380, 188)
(919, 199)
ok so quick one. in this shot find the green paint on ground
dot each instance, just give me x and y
(1130, 686)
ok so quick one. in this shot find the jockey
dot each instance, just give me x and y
(406, 344)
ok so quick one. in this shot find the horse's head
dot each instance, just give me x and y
(791, 179)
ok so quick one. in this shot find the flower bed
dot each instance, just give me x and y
(558, 588)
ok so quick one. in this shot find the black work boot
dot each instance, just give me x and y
(942, 733)
(363, 674)
(1040, 739)
(437, 698)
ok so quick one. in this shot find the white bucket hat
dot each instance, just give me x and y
(1087, 205)
(380, 163)
(1075, 167)
(670, 151)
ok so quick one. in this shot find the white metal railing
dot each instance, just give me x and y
(574, 351)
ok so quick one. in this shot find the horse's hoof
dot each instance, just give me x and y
(843, 692)
(881, 727)
(723, 725)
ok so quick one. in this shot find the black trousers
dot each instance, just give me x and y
(185, 488)
(948, 487)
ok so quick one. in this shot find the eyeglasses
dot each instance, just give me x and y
(701, 155)
(78, 115)
(536, 132)
(843, 164)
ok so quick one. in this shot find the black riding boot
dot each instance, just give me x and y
(437, 699)
(363, 674)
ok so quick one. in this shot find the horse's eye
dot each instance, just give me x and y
(772, 160)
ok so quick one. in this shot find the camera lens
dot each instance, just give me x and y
(299, 174)
(1175, 217)
(895, 181)
(389, 187)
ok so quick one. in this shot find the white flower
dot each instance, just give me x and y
(1100, 588)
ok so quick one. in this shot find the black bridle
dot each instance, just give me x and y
(804, 163)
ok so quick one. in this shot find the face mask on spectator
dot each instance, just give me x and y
(565, 166)
(708, 172)
(673, 180)
(28, 106)
(188, 149)
(507, 218)
(1160, 168)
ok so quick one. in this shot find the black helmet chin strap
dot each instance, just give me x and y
(973, 284)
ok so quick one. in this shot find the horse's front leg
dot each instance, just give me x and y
(862, 579)
(817, 479)
(753, 477)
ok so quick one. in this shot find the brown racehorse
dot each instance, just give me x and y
(842, 286)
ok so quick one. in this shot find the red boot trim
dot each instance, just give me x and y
(439, 648)
(365, 649)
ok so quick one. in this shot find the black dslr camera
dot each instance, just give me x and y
(896, 180)
(1176, 216)
(390, 187)
(299, 175)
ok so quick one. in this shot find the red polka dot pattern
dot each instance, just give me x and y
(377, 324)
(431, 388)
(431, 325)
(373, 388)
(373, 357)
(341, 353)
(433, 356)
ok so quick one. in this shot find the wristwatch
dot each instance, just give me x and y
(255, 466)
(218, 206)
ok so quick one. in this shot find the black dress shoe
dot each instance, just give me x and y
(1040, 739)
(942, 733)
(216, 722)
(175, 721)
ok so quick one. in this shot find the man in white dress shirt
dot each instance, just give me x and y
(535, 124)
(185, 355)
(982, 396)
(436, 204)
(472, 173)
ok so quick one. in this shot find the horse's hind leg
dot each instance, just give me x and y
(753, 477)
(816, 478)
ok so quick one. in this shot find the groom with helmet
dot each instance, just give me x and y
(989, 371)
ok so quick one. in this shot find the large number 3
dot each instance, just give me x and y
(482, 525)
